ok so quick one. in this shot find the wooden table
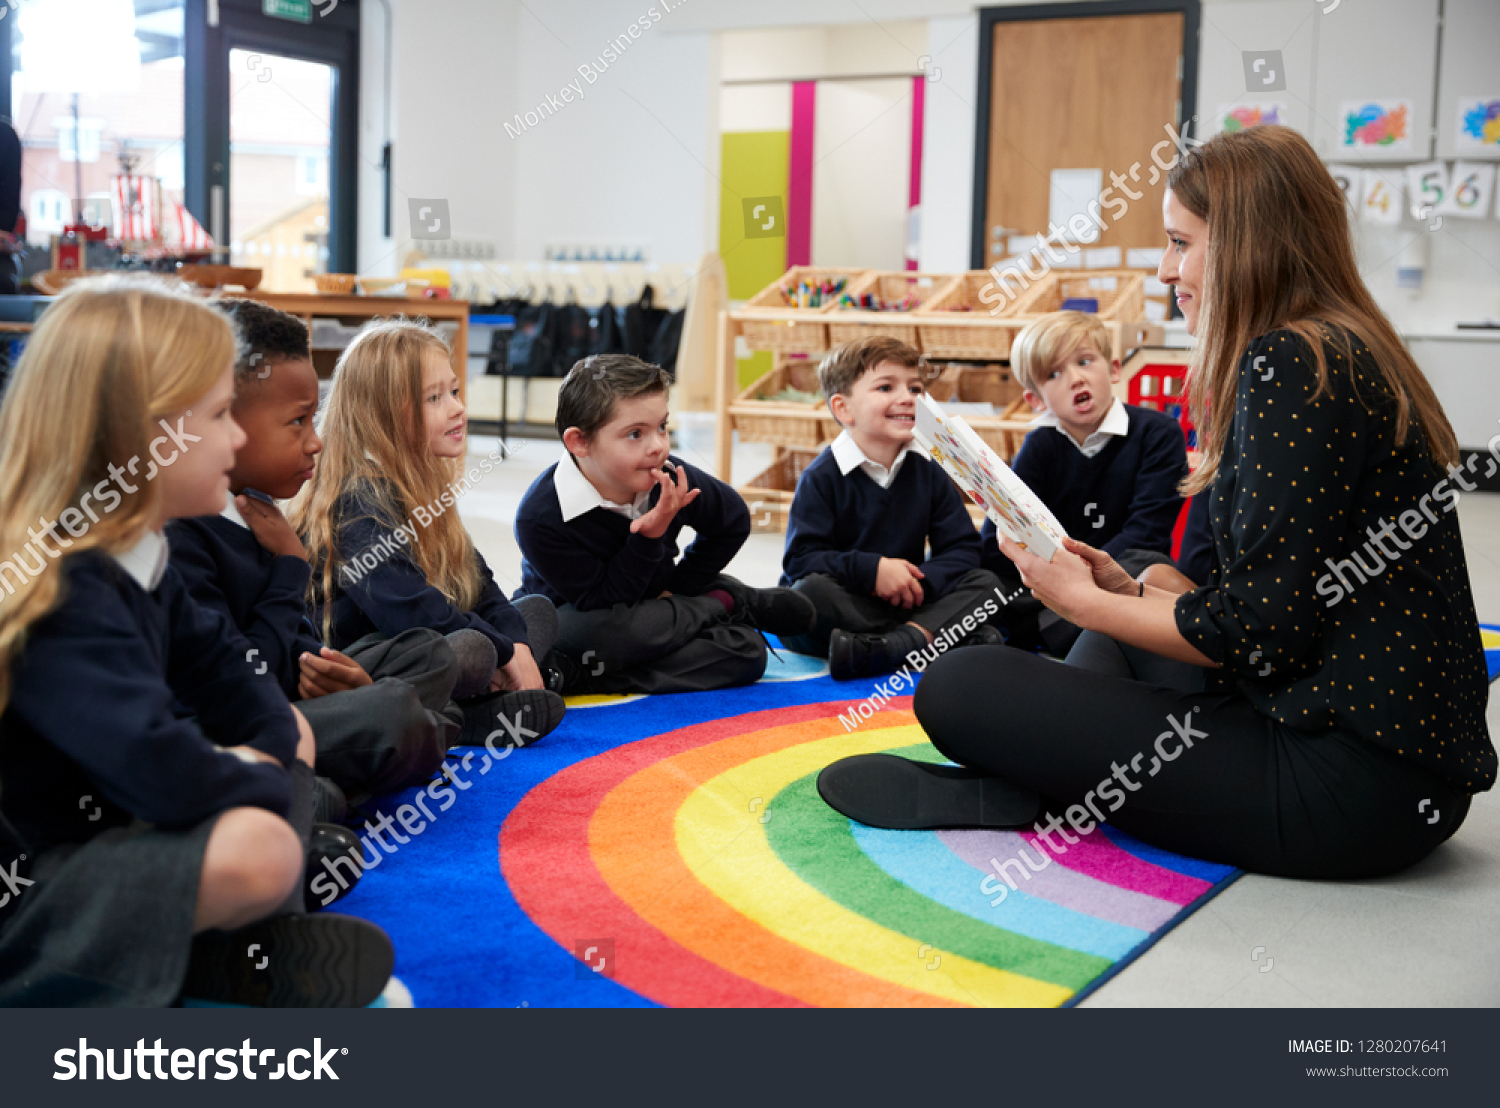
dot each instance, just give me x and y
(307, 305)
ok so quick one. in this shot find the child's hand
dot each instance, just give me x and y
(899, 582)
(520, 672)
(271, 529)
(332, 672)
(1107, 572)
(675, 496)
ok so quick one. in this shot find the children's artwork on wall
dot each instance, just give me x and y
(1426, 187)
(1375, 125)
(1380, 196)
(1241, 117)
(1478, 125)
(1347, 179)
(1471, 186)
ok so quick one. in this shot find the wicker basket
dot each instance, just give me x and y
(852, 324)
(335, 284)
(783, 422)
(973, 384)
(769, 495)
(770, 323)
(1121, 293)
(973, 297)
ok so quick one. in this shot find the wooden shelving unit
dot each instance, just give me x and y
(950, 320)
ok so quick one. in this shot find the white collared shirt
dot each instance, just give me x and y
(849, 456)
(575, 495)
(231, 512)
(1116, 422)
(146, 561)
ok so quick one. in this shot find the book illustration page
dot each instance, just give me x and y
(980, 473)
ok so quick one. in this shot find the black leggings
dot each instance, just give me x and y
(1132, 737)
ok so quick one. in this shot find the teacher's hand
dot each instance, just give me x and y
(1107, 572)
(1065, 584)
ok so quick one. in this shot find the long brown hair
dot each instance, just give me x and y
(375, 445)
(1280, 257)
(108, 360)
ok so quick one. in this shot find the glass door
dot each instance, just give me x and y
(280, 155)
(271, 131)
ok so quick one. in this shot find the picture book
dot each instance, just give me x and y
(1018, 513)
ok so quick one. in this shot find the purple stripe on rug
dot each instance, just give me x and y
(1099, 858)
(1064, 887)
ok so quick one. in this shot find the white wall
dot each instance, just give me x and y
(636, 159)
(948, 143)
(453, 75)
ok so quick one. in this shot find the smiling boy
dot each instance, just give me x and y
(864, 514)
(599, 530)
(1108, 470)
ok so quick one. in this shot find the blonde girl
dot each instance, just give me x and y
(389, 553)
(131, 830)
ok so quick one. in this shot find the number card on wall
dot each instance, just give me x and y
(1470, 189)
(1347, 179)
(1380, 197)
(1427, 187)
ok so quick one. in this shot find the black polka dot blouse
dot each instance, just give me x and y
(1340, 593)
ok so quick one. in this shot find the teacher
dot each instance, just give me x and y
(1317, 709)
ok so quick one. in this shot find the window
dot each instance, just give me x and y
(117, 67)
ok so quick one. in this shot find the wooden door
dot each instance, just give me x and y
(1081, 93)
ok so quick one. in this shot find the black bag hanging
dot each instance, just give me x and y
(575, 335)
(642, 321)
(607, 338)
(533, 343)
(667, 339)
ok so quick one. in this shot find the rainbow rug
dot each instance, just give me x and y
(672, 850)
(1489, 635)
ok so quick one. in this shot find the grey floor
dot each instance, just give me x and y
(1429, 937)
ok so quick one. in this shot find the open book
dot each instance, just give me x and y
(1018, 513)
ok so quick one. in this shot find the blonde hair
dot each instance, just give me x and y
(375, 445)
(1279, 257)
(1041, 345)
(107, 360)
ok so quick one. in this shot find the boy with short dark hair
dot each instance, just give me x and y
(863, 516)
(380, 712)
(598, 534)
(1108, 470)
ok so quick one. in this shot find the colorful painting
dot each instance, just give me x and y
(981, 475)
(1241, 117)
(1479, 124)
(1377, 125)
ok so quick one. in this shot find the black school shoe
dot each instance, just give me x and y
(852, 655)
(521, 717)
(779, 612)
(318, 961)
(331, 852)
(883, 790)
